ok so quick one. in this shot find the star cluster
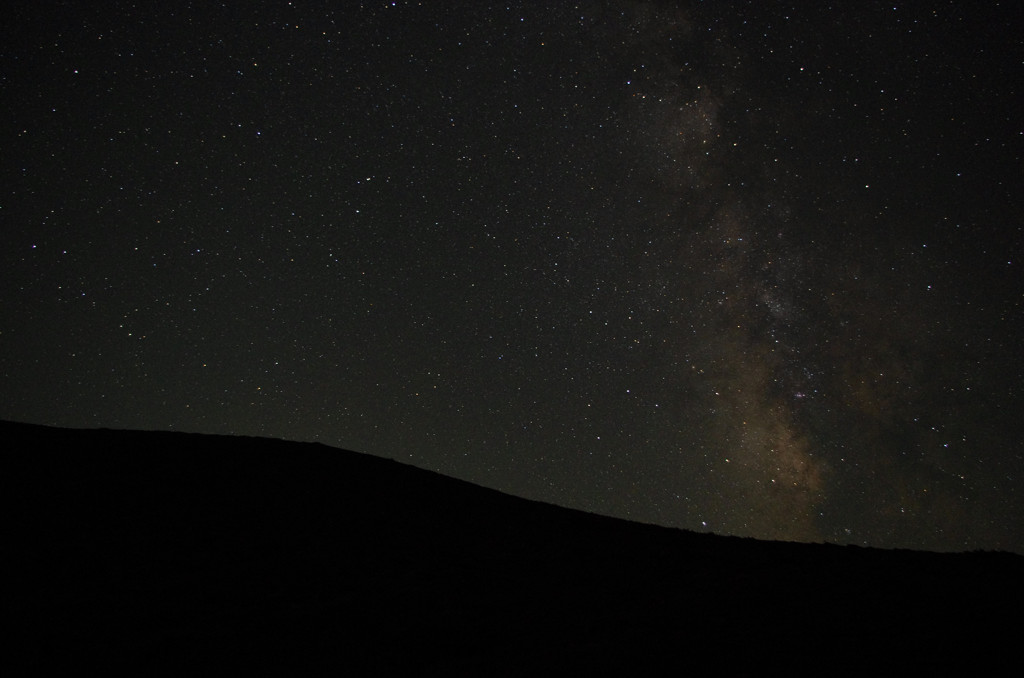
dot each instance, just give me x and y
(749, 268)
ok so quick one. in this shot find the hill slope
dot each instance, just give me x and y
(172, 552)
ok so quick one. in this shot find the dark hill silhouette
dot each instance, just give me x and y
(174, 553)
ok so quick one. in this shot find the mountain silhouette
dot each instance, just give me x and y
(172, 553)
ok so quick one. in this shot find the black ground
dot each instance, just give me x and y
(180, 553)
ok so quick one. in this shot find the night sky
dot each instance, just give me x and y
(753, 268)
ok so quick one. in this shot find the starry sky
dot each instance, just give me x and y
(751, 268)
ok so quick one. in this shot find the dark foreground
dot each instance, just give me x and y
(176, 554)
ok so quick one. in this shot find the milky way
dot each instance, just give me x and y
(739, 268)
